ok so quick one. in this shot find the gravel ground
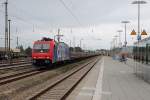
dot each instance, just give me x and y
(12, 70)
(10, 90)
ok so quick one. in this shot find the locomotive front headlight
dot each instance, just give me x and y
(47, 57)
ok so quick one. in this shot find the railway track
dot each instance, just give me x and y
(14, 63)
(15, 69)
(16, 66)
(58, 87)
(12, 74)
(15, 60)
(18, 76)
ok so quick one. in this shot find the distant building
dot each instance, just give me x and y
(2, 49)
(102, 51)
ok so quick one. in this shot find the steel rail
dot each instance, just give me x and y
(64, 78)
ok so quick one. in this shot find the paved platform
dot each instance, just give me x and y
(111, 80)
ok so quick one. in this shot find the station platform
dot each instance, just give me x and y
(111, 80)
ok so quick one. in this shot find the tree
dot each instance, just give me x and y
(28, 51)
(71, 48)
(78, 49)
(21, 48)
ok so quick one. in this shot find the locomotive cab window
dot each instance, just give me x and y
(41, 48)
(37, 46)
(45, 47)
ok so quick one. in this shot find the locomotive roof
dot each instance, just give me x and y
(46, 39)
(49, 40)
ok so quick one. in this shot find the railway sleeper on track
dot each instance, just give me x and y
(58, 85)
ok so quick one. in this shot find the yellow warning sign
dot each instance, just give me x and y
(144, 33)
(133, 32)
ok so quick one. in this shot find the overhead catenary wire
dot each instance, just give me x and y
(27, 21)
(34, 26)
(16, 17)
(21, 19)
(73, 15)
(70, 11)
(20, 10)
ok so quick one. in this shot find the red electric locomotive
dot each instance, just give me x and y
(48, 51)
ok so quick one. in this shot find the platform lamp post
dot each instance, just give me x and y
(139, 2)
(116, 42)
(125, 23)
(81, 43)
(119, 31)
(113, 47)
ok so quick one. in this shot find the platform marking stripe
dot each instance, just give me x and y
(98, 92)
(86, 94)
(88, 88)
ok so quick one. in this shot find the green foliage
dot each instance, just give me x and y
(76, 49)
(28, 51)
(71, 48)
(21, 48)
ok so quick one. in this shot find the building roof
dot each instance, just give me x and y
(2, 49)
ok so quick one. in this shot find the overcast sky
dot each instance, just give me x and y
(90, 20)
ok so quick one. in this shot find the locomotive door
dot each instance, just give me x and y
(148, 54)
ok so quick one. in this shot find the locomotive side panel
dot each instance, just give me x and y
(62, 52)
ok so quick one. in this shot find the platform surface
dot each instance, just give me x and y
(111, 80)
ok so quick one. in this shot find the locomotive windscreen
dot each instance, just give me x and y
(43, 48)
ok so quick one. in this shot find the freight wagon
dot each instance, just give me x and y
(14, 53)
